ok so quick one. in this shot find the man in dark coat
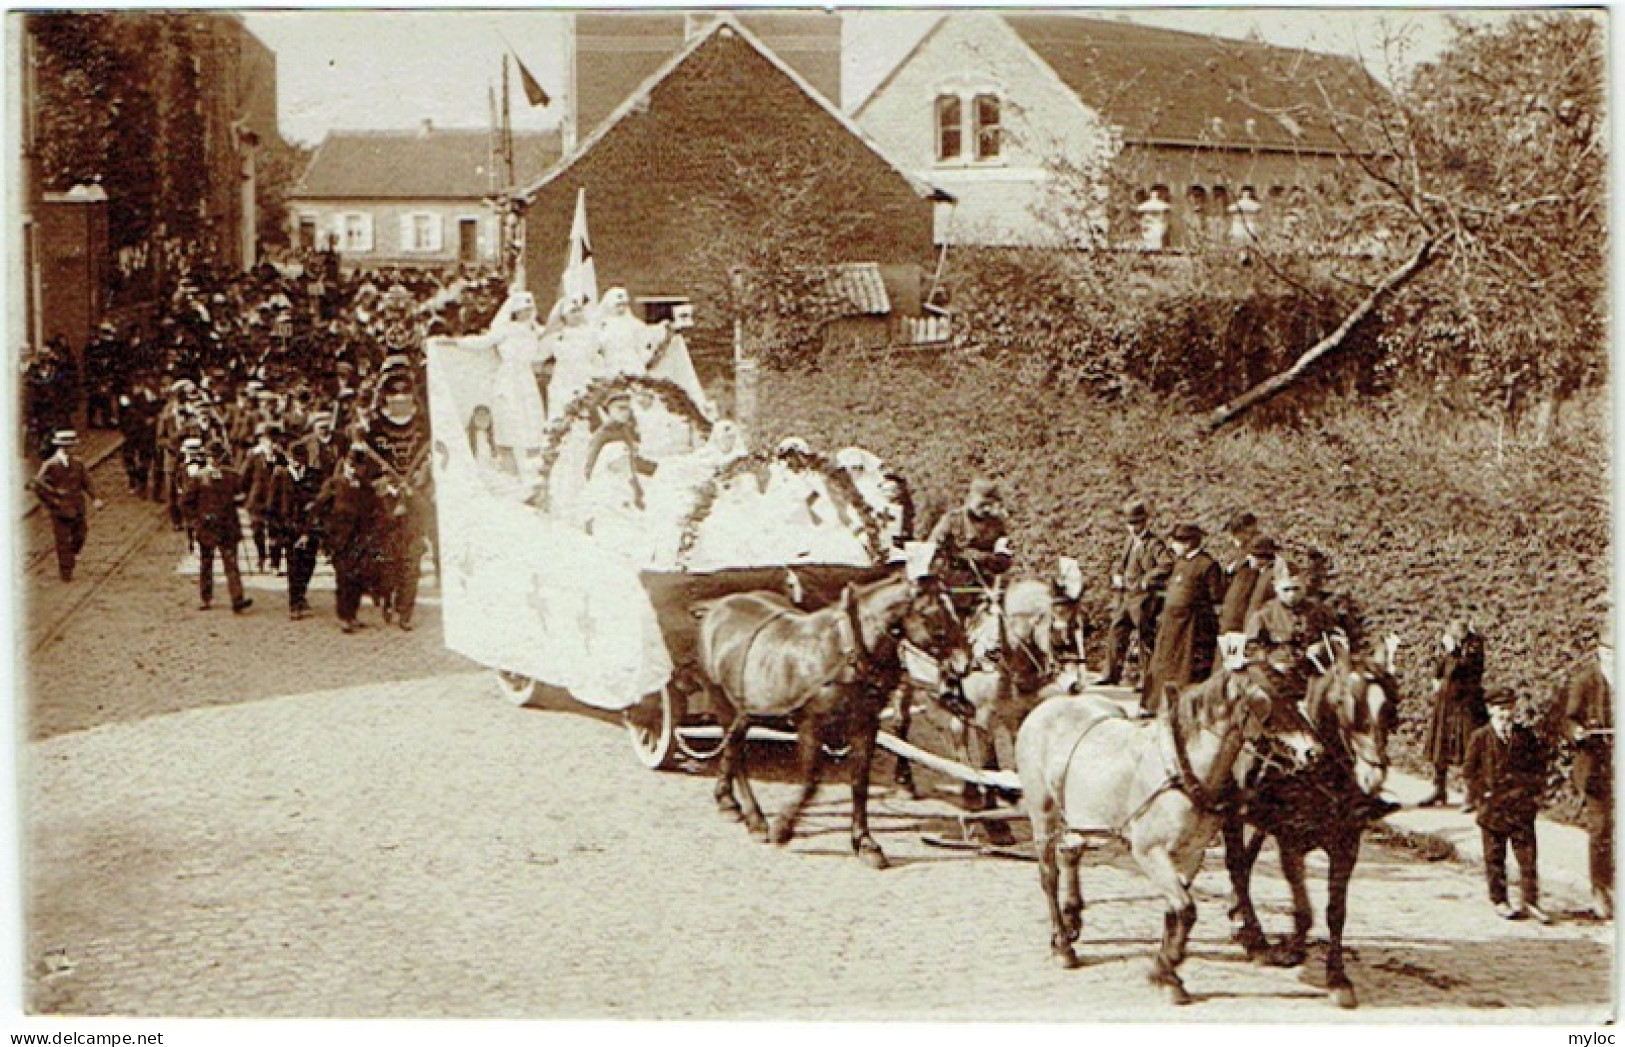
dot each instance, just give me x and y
(1188, 628)
(1587, 700)
(1138, 577)
(974, 546)
(1249, 587)
(1290, 634)
(1458, 705)
(295, 489)
(63, 487)
(1506, 775)
(210, 501)
(400, 447)
(347, 513)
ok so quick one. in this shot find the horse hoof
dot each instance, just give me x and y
(1281, 956)
(1344, 997)
(781, 832)
(1065, 959)
(757, 827)
(1178, 996)
(873, 857)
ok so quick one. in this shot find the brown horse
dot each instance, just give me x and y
(1353, 706)
(833, 670)
(1086, 768)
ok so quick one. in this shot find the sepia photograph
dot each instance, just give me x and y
(789, 514)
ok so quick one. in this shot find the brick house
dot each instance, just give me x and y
(725, 158)
(411, 198)
(986, 103)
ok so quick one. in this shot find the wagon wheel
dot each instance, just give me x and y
(516, 687)
(652, 725)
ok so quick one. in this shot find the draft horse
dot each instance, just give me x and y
(1352, 708)
(832, 670)
(1086, 768)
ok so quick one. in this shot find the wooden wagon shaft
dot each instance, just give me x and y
(1005, 780)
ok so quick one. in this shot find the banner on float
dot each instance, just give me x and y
(522, 592)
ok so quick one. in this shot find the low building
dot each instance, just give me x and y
(1002, 109)
(411, 198)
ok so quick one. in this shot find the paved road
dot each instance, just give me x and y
(245, 816)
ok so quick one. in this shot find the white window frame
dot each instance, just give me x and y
(969, 100)
(355, 231)
(974, 117)
(433, 232)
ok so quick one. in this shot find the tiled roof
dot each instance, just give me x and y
(1163, 85)
(432, 164)
(860, 285)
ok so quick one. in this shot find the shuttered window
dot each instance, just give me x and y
(354, 231)
(421, 232)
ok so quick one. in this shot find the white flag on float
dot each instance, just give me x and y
(580, 280)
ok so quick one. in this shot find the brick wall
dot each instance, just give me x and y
(676, 193)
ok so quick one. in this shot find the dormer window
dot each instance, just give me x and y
(950, 128)
(989, 137)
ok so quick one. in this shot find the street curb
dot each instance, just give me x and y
(90, 464)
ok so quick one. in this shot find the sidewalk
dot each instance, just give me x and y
(1563, 850)
(95, 447)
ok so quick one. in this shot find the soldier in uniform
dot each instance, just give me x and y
(399, 441)
(974, 546)
(1138, 578)
(1506, 775)
(1587, 701)
(1188, 628)
(63, 486)
(211, 499)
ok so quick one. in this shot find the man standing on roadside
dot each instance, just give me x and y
(1587, 698)
(63, 487)
(1138, 578)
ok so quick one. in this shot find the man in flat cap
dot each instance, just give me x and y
(63, 487)
(1188, 628)
(974, 545)
(1138, 577)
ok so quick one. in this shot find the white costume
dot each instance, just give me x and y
(626, 342)
(518, 417)
(610, 510)
(577, 360)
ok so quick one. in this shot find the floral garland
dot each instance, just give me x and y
(797, 461)
(586, 407)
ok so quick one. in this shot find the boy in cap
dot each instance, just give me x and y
(1506, 775)
(64, 488)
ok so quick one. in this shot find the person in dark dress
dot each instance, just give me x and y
(1506, 776)
(1587, 701)
(1188, 630)
(1458, 705)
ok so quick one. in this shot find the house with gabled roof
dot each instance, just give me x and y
(411, 198)
(725, 159)
(991, 106)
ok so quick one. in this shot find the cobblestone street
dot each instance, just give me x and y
(246, 816)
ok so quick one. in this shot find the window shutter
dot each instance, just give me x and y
(338, 232)
(436, 240)
(408, 243)
(366, 231)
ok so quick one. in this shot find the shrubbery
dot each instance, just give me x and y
(1424, 516)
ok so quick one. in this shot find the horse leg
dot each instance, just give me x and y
(1047, 836)
(903, 772)
(1292, 951)
(1177, 920)
(750, 810)
(809, 760)
(1343, 854)
(1070, 852)
(865, 724)
(1239, 856)
(727, 764)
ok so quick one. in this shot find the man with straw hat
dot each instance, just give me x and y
(63, 487)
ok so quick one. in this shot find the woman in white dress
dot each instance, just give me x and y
(610, 505)
(627, 342)
(573, 345)
(518, 416)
